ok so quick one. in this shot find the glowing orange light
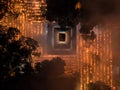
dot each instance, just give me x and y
(78, 5)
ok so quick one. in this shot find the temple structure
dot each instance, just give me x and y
(93, 59)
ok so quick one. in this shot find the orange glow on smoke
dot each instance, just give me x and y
(96, 59)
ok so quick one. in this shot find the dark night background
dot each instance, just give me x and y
(91, 11)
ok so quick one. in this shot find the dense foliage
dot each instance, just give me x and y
(47, 75)
(15, 52)
(50, 68)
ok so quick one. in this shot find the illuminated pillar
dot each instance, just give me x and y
(96, 59)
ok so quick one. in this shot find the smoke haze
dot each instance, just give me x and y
(98, 11)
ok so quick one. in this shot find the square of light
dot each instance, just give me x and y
(62, 37)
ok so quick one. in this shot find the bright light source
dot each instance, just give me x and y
(62, 37)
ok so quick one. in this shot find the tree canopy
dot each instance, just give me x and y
(50, 68)
(15, 52)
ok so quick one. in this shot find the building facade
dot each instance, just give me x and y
(92, 59)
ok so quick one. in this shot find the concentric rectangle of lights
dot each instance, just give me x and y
(62, 37)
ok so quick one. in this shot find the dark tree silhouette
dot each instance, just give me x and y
(57, 66)
(50, 68)
(98, 85)
(15, 52)
(50, 74)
